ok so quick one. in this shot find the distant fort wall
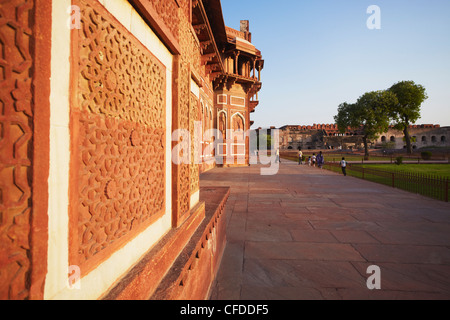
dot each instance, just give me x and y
(328, 136)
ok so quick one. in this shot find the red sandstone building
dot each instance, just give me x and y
(328, 136)
(96, 99)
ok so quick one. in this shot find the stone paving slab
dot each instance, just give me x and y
(281, 250)
(311, 234)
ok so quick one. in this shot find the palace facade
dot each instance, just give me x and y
(328, 136)
(105, 115)
(422, 136)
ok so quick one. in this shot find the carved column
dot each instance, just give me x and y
(181, 121)
(236, 62)
(254, 67)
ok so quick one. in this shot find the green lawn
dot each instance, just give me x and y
(426, 179)
(419, 178)
(336, 157)
(333, 157)
(441, 170)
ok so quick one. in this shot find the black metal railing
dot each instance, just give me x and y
(425, 184)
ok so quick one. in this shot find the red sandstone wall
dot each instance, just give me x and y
(191, 278)
(24, 147)
(117, 139)
(117, 177)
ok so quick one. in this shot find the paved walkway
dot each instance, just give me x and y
(308, 233)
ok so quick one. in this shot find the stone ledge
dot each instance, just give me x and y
(184, 263)
(143, 279)
(192, 274)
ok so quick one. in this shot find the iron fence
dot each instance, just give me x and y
(428, 185)
(373, 157)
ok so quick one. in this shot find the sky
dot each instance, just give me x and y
(320, 53)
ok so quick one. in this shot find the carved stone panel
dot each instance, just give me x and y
(122, 181)
(238, 123)
(181, 112)
(118, 77)
(167, 11)
(16, 144)
(195, 143)
(118, 139)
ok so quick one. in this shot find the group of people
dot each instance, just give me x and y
(320, 161)
(312, 160)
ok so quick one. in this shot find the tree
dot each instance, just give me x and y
(370, 114)
(410, 97)
(264, 137)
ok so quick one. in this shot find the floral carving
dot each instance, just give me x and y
(16, 143)
(121, 186)
(120, 151)
(119, 77)
(168, 12)
(195, 142)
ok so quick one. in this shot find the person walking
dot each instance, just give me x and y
(320, 160)
(309, 161)
(313, 159)
(343, 165)
(300, 156)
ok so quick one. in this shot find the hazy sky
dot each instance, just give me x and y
(320, 53)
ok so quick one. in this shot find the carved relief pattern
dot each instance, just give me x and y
(122, 181)
(121, 149)
(194, 53)
(223, 124)
(238, 128)
(185, 6)
(168, 12)
(195, 142)
(238, 123)
(16, 142)
(119, 76)
(183, 113)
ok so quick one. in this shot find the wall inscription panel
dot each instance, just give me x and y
(118, 139)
